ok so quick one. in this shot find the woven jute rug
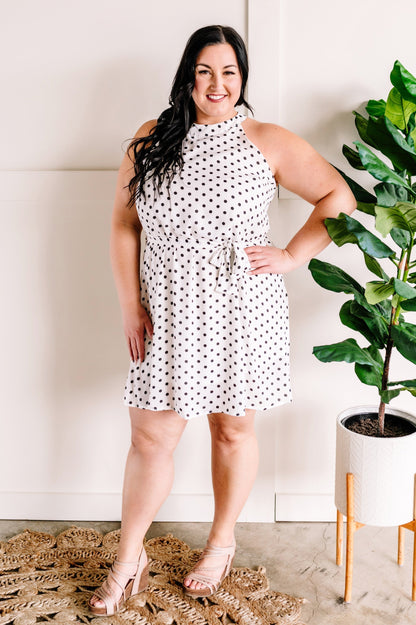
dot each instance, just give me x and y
(48, 579)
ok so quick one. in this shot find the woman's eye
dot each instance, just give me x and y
(230, 73)
(203, 71)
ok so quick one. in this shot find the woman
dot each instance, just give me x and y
(205, 317)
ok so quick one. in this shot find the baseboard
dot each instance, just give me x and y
(107, 507)
(305, 507)
(179, 508)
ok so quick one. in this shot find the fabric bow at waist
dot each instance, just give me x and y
(228, 255)
(233, 263)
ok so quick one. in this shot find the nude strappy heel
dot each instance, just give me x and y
(211, 583)
(129, 584)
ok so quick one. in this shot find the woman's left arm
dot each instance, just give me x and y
(300, 169)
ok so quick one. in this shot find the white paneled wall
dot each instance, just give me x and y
(80, 78)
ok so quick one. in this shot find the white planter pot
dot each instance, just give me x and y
(383, 469)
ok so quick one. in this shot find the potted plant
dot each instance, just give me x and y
(376, 443)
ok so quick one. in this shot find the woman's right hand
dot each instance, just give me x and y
(135, 324)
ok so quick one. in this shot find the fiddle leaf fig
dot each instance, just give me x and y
(388, 194)
(404, 337)
(403, 289)
(377, 291)
(402, 216)
(374, 266)
(399, 110)
(345, 351)
(345, 229)
(376, 312)
(333, 278)
(376, 108)
(352, 157)
(384, 136)
(378, 169)
(404, 82)
(409, 304)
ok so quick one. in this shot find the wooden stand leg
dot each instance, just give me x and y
(400, 550)
(414, 542)
(350, 537)
(340, 532)
(412, 527)
(414, 567)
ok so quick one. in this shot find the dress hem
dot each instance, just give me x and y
(204, 414)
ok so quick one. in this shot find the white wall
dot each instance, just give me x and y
(80, 78)
(333, 57)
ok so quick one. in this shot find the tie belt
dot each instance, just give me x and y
(227, 254)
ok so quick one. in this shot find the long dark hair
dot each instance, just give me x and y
(159, 155)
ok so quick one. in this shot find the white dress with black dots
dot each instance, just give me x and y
(221, 336)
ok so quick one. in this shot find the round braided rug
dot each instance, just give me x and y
(48, 579)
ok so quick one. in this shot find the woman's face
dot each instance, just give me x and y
(217, 84)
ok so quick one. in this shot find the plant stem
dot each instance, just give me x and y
(385, 378)
(381, 414)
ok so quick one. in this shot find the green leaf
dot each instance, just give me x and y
(406, 383)
(384, 308)
(361, 195)
(388, 194)
(378, 169)
(409, 305)
(412, 277)
(399, 110)
(374, 266)
(401, 237)
(378, 291)
(368, 375)
(404, 82)
(368, 323)
(352, 157)
(404, 337)
(333, 278)
(404, 290)
(384, 136)
(387, 396)
(411, 130)
(345, 229)
(402, 216)
(361, 123)
(376, 108)
(345, 351)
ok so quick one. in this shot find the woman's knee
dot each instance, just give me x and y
(229, 430)
(155, 431)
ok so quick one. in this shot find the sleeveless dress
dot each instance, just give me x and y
(221, 336)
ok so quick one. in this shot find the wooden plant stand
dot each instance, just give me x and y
(352, 526)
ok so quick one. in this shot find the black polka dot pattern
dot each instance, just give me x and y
(221, 336)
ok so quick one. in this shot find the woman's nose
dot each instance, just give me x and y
(216, 81)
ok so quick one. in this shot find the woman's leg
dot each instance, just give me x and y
(148, 479)
(234, 463)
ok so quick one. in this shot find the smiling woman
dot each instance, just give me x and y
(217, 84)
(206, 315)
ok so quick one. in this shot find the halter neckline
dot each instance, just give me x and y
(207, 130)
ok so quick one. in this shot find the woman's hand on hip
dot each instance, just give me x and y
(135, 324)
(269, 259)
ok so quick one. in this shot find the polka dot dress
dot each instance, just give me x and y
(221, 337)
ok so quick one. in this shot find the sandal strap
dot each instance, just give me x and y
(106, 594)
(212, 584)
(210, 550)
(213, 550)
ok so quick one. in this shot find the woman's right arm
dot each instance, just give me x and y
(125, 258)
